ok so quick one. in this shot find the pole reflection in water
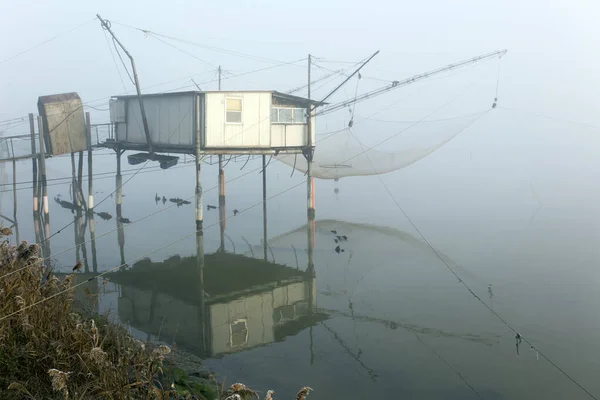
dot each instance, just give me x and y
(15, 201)
(222, 207)
(92, 223)
(201, 309)
(119, 205)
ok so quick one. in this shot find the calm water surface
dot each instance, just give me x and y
(384, 317)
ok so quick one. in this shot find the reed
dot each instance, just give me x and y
(51, 351)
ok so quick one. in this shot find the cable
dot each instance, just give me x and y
(342, 74)
(334, 133)
(75, 219)
(98, 109)
(313, 82)
(183, 51)
(100, 202)
(141, 257)
(237, 75)
(18, 119)
(120, 187)
(115, 62)
(102, 175)
(439, 108)
(534, 114)
(45, 41)
(201, 83)
(132, 223)
(214, 48)
(448, 365)
(122, 62)
(428, 120)
(495, 313)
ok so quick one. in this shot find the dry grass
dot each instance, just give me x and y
(239, 391)
(49, 351)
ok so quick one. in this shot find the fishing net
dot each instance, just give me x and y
(378, 146)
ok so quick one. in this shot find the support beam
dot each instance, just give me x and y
(119, 208)
(89, 170)
(106, 25)
(220, 72)
(74, 182)
(199, 209)
(33, 164)
(201, 307)
(80, 179)
(199, 200)
(43, 170)
(222, 206)
(309, 151)
(93, 240)
(264, 192)
(15, 202)
(119, 180)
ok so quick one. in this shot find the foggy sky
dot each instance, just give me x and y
(551, 67)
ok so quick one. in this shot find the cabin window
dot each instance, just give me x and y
(233, 110)
(286, 115)
(281, 115)
(238, 333)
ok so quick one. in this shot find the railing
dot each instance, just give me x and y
(19, 146)
(101, 133)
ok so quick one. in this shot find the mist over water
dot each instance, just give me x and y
(507, 208)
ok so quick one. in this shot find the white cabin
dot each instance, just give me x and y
(228, 122)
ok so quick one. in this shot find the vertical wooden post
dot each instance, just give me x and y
(93, 239)
(15, 202)
(309, 152)
(264, 192)
(309, 179)
(80, 178)
(201, 310)
(33, 164)
(43, 169)
(119, 180)
(89, 170)
(74, 182)
(136, 82)
(199, 209)
(222, 206)
(76, 235)
(221, 181)
(119, 207)
(220, 78)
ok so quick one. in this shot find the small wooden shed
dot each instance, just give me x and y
(64, 123)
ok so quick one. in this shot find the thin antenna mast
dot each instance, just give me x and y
(106, 25)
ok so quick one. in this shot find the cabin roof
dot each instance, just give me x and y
(57, 98)
(285, 96)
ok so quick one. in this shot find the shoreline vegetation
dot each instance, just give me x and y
(50, 348)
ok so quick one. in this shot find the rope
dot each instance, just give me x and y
(115, 62)
(141, 257)
(45, 41)
(495, 313)
(122, 62)
(100, 202)
(133, 222)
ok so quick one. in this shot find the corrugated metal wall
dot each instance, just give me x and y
(171, 120)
